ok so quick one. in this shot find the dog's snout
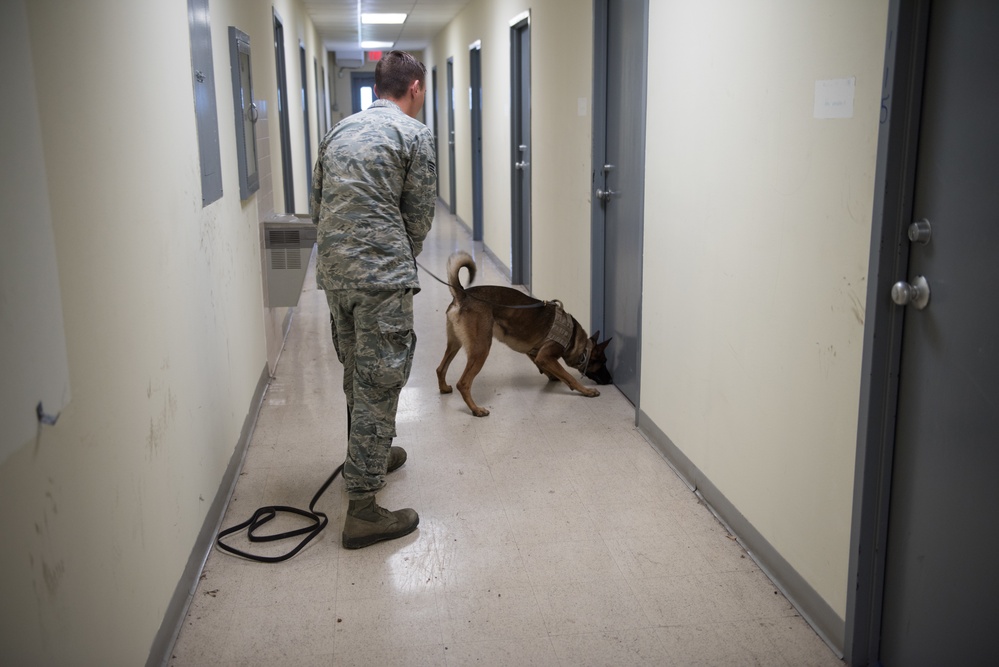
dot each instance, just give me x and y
(601, 376)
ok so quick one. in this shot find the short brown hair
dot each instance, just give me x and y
(395, 72)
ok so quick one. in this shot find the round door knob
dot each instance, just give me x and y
(917, 293)
(605, 194)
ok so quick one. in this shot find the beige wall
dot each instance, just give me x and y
(162, 306)
(757, 235)
(561, 76)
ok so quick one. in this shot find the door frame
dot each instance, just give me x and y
(284, 110)
(304, 66)
(451, 169)
(894, 193)
(320, 96)
(520, 179)
(475, 107)
(598, 227)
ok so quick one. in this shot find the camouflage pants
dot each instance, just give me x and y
(374, 340)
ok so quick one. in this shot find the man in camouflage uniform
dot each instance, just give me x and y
(374, 189)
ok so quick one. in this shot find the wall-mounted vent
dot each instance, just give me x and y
(284, 237)
(288, 248)
(284, 246)
(285, 259)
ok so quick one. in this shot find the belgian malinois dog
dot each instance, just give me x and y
(540, 329)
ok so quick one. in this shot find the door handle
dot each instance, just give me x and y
(606, 194)
(920, 231)
(522, 165)
(917, 293)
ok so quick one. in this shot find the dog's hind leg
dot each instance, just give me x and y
(476, 350)
(453, 345)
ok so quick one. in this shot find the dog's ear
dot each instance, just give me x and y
(603, 346)
(595, 337)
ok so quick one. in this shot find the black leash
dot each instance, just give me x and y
(318, 522)
(318, 519)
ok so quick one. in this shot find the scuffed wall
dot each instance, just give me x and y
(162, 307)
(757, 232)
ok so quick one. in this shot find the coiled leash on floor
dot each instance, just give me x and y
(265, 514)
(318, 519)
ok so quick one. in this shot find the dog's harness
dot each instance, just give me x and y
(562, 331)
(584, 361)
(562, 328)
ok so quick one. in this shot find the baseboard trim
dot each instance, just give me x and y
(173, 620)
(812, 607)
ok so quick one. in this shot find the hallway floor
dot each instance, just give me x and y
(551, 532)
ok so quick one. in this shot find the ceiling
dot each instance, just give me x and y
(339, 22)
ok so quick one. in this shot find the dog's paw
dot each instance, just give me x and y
(480, 412)
(590, 393)
(445, 389)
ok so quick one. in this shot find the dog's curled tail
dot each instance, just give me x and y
(455, 262)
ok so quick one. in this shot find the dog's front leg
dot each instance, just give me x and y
(534, 358)
(551, 366)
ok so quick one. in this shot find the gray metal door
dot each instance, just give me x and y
(520, 82)
(362, 90)
(941, 593)
(452, 172)
(619, 183)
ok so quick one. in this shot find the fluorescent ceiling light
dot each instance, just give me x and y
(383, 19)
(377, 45)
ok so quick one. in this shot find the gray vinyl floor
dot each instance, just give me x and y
(551, 532)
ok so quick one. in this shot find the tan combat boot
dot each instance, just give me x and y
(368, 523)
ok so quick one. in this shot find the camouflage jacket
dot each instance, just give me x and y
(373, 195)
